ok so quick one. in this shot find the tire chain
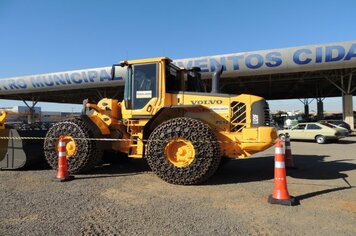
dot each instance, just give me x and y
(86, 155)
(206, 160)
(146, 141)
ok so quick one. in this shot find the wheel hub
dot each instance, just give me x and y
(71, 146)
(180, 152)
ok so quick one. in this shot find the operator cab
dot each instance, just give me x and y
(142, 80)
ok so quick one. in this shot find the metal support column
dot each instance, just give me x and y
(346, 93)
(306, 103)
(320, 108)
(30, 117)
(347, 110)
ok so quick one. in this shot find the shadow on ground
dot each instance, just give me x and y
(236, 171)
(321, 192)
(262, 168)
(343, 141)
(117, 168)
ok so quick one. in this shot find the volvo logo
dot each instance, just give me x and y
(206, 102)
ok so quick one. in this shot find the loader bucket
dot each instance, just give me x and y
(17, 153)
(3, 143)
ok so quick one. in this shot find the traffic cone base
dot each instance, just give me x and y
(67, 178)
(292, 201)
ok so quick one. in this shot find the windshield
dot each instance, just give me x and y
(144, 86)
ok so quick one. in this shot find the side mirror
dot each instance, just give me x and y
(113, 68)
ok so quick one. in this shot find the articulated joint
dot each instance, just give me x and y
(95, 107)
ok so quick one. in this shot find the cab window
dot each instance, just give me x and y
(144, 84)
(173, 79)
(194, 82)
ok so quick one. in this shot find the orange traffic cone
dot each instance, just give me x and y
(288, 153)
(280, 193)
(62, 173)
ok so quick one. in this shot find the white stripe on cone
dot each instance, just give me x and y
(279, 164)
(61, 154)
(279, 150)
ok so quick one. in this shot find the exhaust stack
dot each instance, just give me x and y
(215, 82)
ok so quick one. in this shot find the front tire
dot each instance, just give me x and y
(320, 139)
(82, 154)
(183, 151)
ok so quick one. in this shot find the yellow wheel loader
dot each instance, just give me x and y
(167, 117)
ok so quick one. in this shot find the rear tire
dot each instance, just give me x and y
(193, 142)
(86, 154)
(320, 139)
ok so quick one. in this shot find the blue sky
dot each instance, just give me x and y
(40, 36)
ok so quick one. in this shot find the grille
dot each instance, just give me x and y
(238, 118)
(267, 116)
